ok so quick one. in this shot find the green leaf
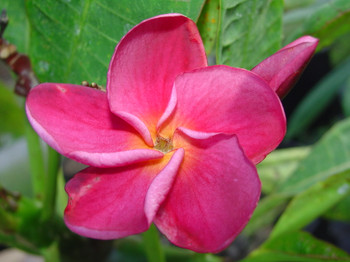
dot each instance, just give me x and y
(21, 212)
(250, 31)
(11, 109)
(317, 99)
(295, 15)
(72, 41)
(293, 4)
(312, 203)
(340, 211)
(208, 24)
(297, 246)
(266, 213)
(17, 31)
(340, 49)
(279, 165)
(346, 98)
(327, 22)
(330, 156)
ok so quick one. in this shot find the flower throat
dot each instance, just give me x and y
(163, 145)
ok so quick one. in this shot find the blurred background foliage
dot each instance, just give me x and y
(306, 183)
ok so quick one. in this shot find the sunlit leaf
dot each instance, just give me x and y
(72, 41)
(250, 31)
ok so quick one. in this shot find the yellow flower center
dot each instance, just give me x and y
(163, 145)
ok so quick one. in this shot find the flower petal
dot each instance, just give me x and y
(145, 64)
(283, 69)
(110, 203)
(76, 121)
(161, 184)
(221, 99)
(214, 194)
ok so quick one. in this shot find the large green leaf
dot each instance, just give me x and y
(330, 156)
(17, 32)
(72, 41)
(312, 203)
(297, 246)
(326, 22)
(318, 99)
(250, 31)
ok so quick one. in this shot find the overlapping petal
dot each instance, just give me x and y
(214, 194)
(111, 203)
(145, 64)
(76, 121)
(283, 69)
(228, 100)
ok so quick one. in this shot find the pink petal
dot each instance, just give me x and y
(117, 202)
(161, 185)
(221, 99)
(214, 194)
(283, 69)
(76, 121)
(145, 64)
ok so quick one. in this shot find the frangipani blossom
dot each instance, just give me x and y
(172, 142)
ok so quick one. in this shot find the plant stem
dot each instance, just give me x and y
(152, 245)
(49, 203)
(51, 253)
(36, 162)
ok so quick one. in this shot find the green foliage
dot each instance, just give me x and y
(266, 213)
(317, 99)
(330, 156)
(346, 98)
(340, 49)
(10, 108)
(250, 31)
(17, 31)
(279, 165)
(340, 211)
(76, 41)
(297, 246)
(208, 24)
(312, 203)
(326, 21)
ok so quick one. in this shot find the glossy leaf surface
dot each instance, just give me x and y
(76, 41)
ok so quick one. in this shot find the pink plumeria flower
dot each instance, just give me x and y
(172, 141)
